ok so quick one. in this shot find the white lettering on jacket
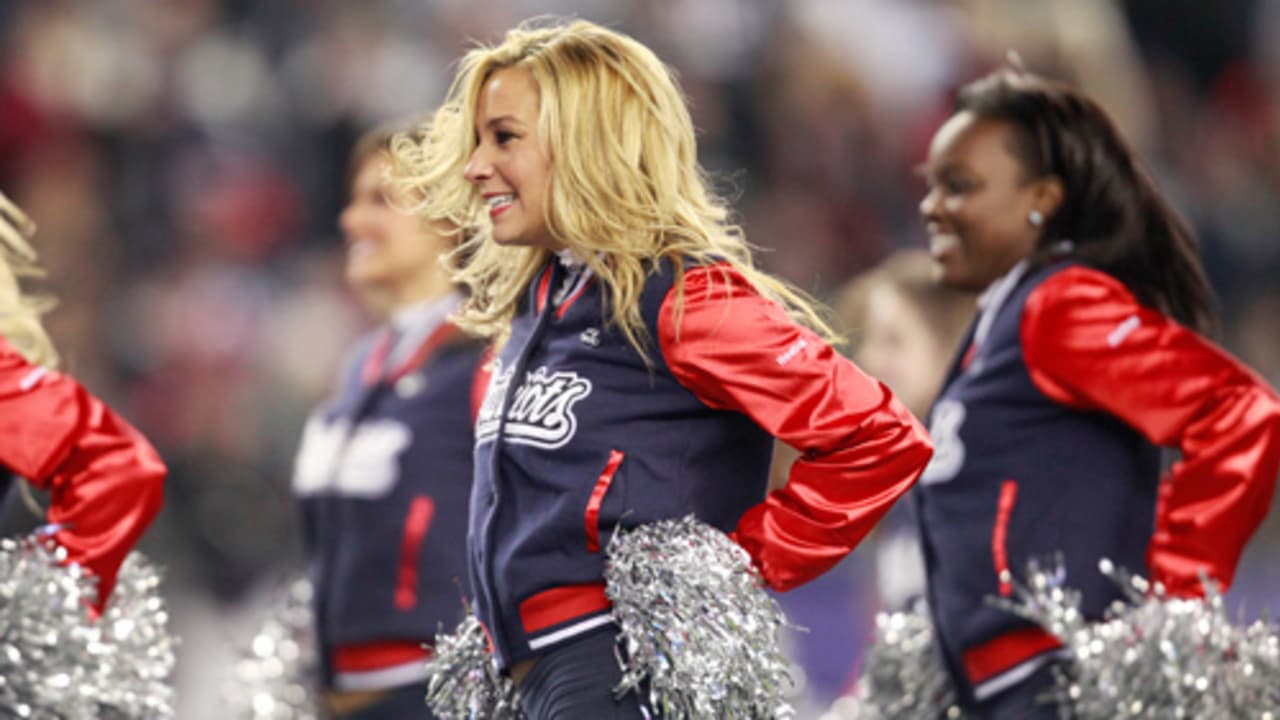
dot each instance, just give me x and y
(364, 465)
(1123, 330)
(32, 378)
(948, 447)
(791, 352)
(541, 411)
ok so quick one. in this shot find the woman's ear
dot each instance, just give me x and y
(1049, 193)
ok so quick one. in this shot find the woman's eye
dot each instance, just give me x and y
(503, 136)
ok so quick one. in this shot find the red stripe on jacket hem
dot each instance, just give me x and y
(364, 657)
(985, 661)
(561, 604)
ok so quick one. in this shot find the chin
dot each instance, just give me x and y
(959, 281)
(946, 274)
(966, 284)
(362, 276)
(504, 235)
(517, 241)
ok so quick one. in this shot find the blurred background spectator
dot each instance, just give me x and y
(184, 159)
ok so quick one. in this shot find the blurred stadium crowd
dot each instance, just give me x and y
(184, 159)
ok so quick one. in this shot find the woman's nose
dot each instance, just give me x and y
(478, 167)
(347, 219)
(929, 204)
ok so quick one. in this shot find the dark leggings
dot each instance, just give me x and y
(403, 703)
(576, 681)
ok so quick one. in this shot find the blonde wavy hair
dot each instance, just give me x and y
(20, 313)
(625, 188)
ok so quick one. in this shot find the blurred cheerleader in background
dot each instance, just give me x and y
(383, 472)
(84, 631)
(105, 481)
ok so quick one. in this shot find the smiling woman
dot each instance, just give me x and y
(383, 471)
(1084, 360)
(645, 362)
(981, 204)
(391, 253)
(510, 166)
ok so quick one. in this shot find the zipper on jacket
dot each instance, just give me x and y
(495, 461)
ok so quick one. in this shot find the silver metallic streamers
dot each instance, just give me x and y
(277, 677)
(1156, 656)
(462, 680)
(904, 678)
(56, 664)
(699, 635)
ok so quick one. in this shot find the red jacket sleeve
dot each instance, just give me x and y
(1089, 345)
(862, 449)
(103, 477)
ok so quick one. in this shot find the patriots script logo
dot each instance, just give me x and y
(541, 411)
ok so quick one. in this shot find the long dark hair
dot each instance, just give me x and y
(1111, 209)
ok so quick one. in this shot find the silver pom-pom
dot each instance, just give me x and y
(55, 663)
(135, 655)
(1155, 656)
(698, 631)
(463, 682)
(277, 677)
(904, 678)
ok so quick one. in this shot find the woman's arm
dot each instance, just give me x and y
(104, 478)
(1089, 345)
(861, 449)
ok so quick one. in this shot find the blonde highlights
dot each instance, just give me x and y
(625, 188)
(20, 313)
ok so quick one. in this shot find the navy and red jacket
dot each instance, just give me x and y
(105, 481)
(580, 434)
(1048, 433)
(383, 475)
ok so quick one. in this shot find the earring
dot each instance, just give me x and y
(1035, 218)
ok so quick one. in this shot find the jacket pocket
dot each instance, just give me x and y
(1000, 536)
(591, 518)
(416, 524)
